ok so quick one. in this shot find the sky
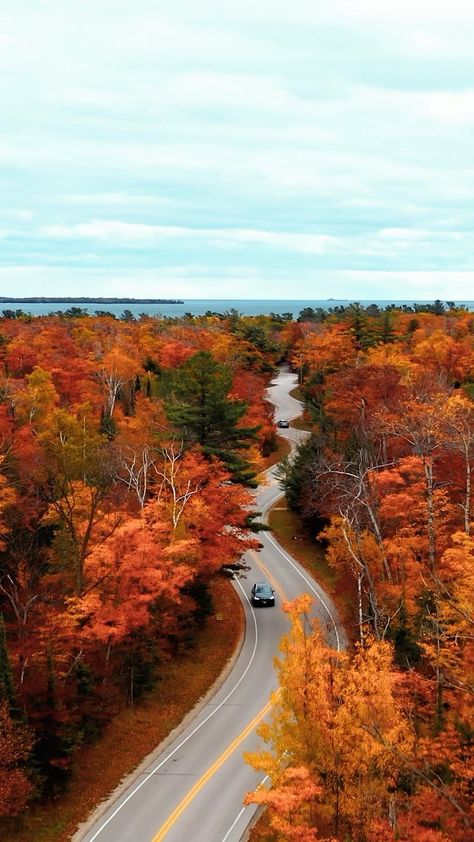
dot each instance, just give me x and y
(250, 149)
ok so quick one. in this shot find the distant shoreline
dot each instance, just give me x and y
(181, 309)
(83, 300)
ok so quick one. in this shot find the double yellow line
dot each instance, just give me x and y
(179, 810)
(207, 775)
(264, 569)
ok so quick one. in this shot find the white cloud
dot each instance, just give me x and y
(257, 135)
(19, 214)
(416, 234)
(426, 44)
(397, 247)
(108, 230)
(117, 199)
(136, 233)
(230, 91)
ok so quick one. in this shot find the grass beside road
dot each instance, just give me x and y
(303, 422)
(283, 450)
(297, 541)
(289, 530)
(135, 732)
(297, 394)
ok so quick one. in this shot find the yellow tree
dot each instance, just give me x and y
(36, 399)
(456, 613)
(329, 349)
(336, 730)
(80, 471)
(115, 370)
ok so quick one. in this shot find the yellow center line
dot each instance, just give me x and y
(177, 812)
(210, 772)
(264, 569)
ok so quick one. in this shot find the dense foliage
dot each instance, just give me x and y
(377, 744)
(126, 446)
(127, 449)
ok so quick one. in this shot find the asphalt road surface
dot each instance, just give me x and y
(192, 791)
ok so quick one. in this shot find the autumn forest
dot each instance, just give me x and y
(129, 450)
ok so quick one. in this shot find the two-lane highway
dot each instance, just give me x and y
(193, 790)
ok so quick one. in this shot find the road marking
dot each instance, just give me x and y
(210, 772)
(247, 730)
(271, 579)
(321, 600)
(191, 734)
(182, 806)
(288, 559)
(247, 807)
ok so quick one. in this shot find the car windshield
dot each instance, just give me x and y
(263, 590)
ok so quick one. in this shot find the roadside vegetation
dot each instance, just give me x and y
(128, 448)
(299, 542)
(282, 451)
(136, 731)
(377, 743)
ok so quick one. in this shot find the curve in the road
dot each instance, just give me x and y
(201, 779)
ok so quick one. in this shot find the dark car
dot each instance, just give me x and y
(283, 423)
(263, 594)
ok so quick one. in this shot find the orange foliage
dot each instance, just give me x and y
(15, 746)
(325, 351)
(110, 529)
(390, 471)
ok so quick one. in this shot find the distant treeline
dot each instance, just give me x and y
(320, 314)
(340, 312)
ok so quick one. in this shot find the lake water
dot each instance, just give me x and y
(200, 306)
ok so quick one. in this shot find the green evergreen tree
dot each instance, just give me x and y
(388, 333)
(311, 314)
(438, 308)
(198, 405)
(364, 324)
(296, 475)
(57, 735)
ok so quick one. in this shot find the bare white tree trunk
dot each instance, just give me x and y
(169, 474)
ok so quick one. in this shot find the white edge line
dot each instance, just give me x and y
(214, 711)
(208, 717)
(225, 838)
(290, 561)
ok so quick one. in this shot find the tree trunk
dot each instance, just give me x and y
(428, 469)
(467, 502)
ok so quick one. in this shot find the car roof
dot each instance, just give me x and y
(262, 585)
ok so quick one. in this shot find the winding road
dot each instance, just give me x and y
(192, 790)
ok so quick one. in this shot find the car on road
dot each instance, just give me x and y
(262, 594)
(283, 423)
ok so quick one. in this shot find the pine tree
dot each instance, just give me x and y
(199, 406)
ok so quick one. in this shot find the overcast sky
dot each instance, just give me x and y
(250, 149)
